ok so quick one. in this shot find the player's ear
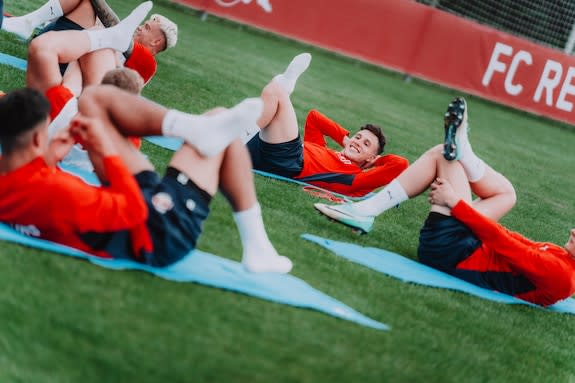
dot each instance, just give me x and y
(36, 138)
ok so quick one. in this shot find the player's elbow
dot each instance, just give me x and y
(402, 163)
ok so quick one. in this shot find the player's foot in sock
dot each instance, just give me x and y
(222, 128)
(296, 67)
(119, 37)
(265, 259)
(455, 118)
(20, 26)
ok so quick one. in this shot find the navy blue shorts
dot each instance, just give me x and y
(285, 159)
(177, 209)
(62, 24)
(444, 242)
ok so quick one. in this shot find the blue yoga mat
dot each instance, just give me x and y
(407, 270)
(13, 61)
(214, 271)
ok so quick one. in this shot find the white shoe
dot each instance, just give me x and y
(344, 214)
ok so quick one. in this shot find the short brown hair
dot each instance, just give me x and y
(124, 78)
(378, 132)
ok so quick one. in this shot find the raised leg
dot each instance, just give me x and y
(278, 122)
(236, 183)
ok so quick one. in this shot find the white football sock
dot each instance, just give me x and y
(24, 26)
(474, 166)
(248, 134)
(295, 68)
(120, 35)
(212, 134)
(259, 255)
(391, 195)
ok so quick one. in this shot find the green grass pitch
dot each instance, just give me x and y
(64, 320)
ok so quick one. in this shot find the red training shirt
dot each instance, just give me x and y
(331, 170)
(44, 202)
(549, 267)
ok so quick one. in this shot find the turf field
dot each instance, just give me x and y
(64, 320)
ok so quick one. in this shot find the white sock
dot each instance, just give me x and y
(212, 134)
(474, 166)
(24, 26)
(120, 35)
(259, 255)
(248, 134)
(295, 68)
(391, 195)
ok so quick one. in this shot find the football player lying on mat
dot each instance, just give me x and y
(277, 146)
(96, 59)
(147, 40)
(461, 236)
(137, 215)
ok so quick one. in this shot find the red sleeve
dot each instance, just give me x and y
(519, 251)
(487, 230)
(318, 125)
(119, 206)
(385, 170)
(142, 61)
(58, 96)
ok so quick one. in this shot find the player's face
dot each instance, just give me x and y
(570, 245)
(149, 34)
(361, 147)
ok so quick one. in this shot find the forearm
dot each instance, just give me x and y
(318, 125)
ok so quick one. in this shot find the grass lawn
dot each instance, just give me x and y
(64, 320)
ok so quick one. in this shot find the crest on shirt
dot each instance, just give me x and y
(162, 202)
(344, 159)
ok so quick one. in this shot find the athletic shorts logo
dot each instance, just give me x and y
(162, 202)
(191, 204)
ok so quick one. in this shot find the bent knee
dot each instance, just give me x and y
(273, 90)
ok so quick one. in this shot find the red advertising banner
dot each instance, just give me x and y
(421, 41)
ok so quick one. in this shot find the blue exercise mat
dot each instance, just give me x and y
(13, 61)
(210, 270)
(407, 270)
(214, 271)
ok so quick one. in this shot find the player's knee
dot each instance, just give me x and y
(93, 95)
(511, 195)
(273, 90)
(436, 151)
(43, 43)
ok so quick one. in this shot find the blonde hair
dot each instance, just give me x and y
(169, 28)
(124, 78)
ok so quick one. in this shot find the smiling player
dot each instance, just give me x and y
(276, 146)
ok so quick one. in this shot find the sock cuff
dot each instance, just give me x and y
(57, 10)
(397, 191)
(168, 122)
(241, 215)
(477, 172)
